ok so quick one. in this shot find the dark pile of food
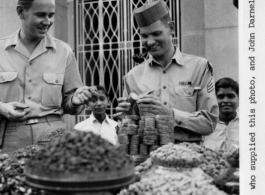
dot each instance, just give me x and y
(78, 152)
(12, 177)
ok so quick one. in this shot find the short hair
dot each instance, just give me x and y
(226, 83)
(25, 4)
(166, 19)
(101, 88)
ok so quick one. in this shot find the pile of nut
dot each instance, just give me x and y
(165, 183)
(12, 174)
(79, 152)
(213, 163)
(173, 155)
(144, 166)
(140, 136)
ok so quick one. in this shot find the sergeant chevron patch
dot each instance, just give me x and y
(210, 86)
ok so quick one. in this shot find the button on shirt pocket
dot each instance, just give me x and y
(52, 89)
(186, 90)
(9, 87)
(186, 96)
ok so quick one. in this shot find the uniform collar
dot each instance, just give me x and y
(177, 57)
(93, 119)
(46, 42)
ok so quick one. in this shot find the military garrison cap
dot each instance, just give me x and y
(150, 13)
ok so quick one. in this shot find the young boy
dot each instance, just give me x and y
(226, 135)
(99, 122)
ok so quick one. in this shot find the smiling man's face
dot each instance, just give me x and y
(227, 101)
(38, 18)
(156, 38)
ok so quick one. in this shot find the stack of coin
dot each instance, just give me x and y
(134, 149)
(132, 129)
(150, 139)
(141, 124)
(122, 130)
(143, 149)
(165, 125)
(135, 140)
(150, 131)
(123, 139)
(165, 139)
(163, 129)
(150, 122)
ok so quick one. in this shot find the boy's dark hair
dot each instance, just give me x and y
(25, 4)
(101, 88)
(226, 83)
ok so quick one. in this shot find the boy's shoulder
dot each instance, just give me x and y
(82, 124)
(112, 122)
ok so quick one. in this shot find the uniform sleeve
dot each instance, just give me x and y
(72, 81)
(204, 120)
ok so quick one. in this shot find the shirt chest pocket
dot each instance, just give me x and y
(9, 90)
(186, 90)
(52, 89)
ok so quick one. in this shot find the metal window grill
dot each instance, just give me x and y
(106, 40)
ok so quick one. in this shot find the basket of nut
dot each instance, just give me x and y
(79, 161)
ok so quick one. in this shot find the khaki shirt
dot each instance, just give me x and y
(186, 85)
(44, 80)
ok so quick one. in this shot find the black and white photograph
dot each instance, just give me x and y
(132, 97)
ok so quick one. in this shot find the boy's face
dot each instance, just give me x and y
(99, 104)
(227, 100)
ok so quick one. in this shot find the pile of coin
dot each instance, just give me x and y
(128, 135)
(165, 126)
(145, 134)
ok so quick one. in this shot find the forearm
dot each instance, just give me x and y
(200, 122)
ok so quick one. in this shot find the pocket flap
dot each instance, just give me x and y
(7, 76)
(186, 90)
(54, 78)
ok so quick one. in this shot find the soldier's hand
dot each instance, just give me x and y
(122, 108)
(83, 94)
(15, 111)
(152, 104)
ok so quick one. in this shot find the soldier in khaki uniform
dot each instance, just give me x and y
(183, 84)
(39, 79)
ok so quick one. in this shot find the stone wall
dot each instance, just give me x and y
(209, 28)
